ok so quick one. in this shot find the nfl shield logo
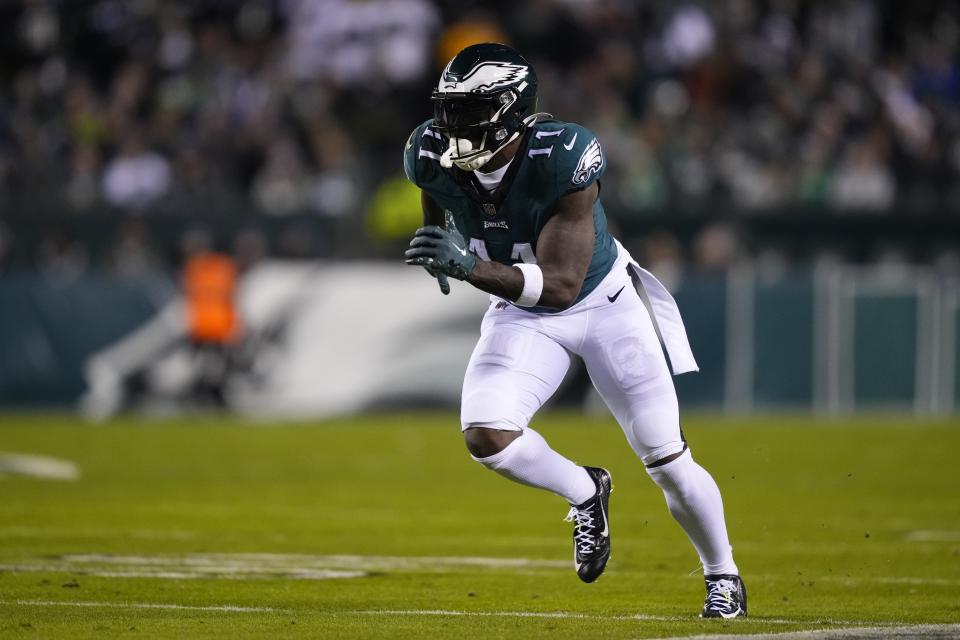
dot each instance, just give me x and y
(489, 209)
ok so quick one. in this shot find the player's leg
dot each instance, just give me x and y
(629, 370)
(514, 369)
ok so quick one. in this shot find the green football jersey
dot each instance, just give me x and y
(554, 158)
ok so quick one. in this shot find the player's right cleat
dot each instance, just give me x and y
(591, 529)
(726, 597)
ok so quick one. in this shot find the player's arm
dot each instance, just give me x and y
(564, 249)
(432, 213)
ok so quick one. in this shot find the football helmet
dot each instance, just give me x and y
(486, 97)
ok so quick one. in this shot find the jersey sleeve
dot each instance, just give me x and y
(580, 162)
(421, 155)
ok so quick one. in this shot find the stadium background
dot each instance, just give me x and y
(789, 169)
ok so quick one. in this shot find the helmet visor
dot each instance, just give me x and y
(462, 115)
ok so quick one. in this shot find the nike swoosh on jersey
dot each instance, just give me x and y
(572, 140)
(614, 297)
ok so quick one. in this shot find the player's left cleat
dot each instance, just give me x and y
(591, 529)
(726, 597)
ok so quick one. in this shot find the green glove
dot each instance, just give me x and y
(441, 280)
(443, 252)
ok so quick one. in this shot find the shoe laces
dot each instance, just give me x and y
(584, 526)
(720, 593)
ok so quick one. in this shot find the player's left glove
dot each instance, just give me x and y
(442, 252)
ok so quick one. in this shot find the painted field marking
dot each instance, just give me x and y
(911, 632)
(324, 561)
(932, 535)
(251, 566)
(863, 630)
(255, 566)
(90, 532)
(34, 466)
(572, 615)
(943, 582)
(144, 605)
(210, 572)
(563, 615)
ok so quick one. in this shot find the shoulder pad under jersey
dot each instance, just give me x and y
(421, 155)
(573, 151)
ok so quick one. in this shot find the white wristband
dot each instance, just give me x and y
(532, 284)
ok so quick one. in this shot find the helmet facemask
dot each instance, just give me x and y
(476, 127)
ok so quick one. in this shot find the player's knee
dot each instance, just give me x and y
(671, 471)
(663, 456)
(484, 440)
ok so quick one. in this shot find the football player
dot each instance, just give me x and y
(511, 204)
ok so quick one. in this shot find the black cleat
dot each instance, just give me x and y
(591, 529)
(726, 597)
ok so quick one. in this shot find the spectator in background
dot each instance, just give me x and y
(663, 257)
(336, 188)
(287, 106)
(133, 256)
(82, 186)
(375, 44)
(863, 181)
(716, 248)
(137, 177)
(62, 259)
(280, 188)
(250, 247)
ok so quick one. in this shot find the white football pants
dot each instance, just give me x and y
(522, 357)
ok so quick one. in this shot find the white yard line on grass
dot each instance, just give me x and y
(847, 629)
(932, 535)
(861, 630)
(252, 566)
(942, 582)
(189, 573)
(143, 605)
(572, 615)
(564, 615)
(36, 466)
(369, 562)
(96, 532)
(911, 632)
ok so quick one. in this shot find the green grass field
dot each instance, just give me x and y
(382, 527)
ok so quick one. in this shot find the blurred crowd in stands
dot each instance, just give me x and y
(198, 108)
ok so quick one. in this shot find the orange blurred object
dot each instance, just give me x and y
(471, 29)
(209, 284)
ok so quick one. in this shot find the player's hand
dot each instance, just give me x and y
(441, 280)
(442, 252)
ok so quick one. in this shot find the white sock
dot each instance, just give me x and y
(694, 501)
(529, 460)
